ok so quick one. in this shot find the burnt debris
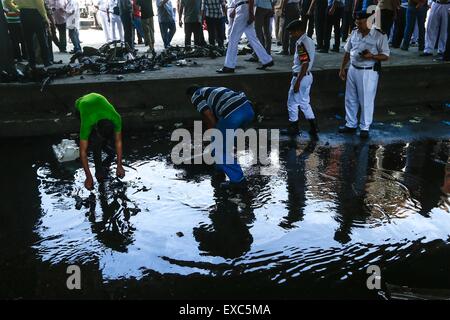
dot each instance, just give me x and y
(115, 58)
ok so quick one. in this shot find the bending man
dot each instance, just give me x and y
(100, 130)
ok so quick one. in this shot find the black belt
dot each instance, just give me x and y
(240, 4)
(362, 68)
(295, 74)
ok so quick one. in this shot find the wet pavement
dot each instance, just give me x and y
(308, 230)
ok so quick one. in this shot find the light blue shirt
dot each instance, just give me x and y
(265, 4)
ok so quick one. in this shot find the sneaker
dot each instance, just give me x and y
(425, 54)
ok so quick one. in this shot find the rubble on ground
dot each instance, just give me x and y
(116, 58)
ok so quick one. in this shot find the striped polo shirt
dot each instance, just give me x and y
(221, 101)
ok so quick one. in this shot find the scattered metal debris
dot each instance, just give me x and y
(116, 57)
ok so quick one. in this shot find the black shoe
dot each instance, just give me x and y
(364, 134)
(335, 49)
(314, 128)
(265, 66)
(283, 53)
(225, 70)
(404, 48)
(346, 129)
(425, 54)
(252, 59)
(322, 50)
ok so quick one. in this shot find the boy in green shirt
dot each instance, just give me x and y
(100, 126)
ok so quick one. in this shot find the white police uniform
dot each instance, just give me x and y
(437, 25)
(304, 53)
(362, 79)
(102, 14)
(239, 27)
(115, 22)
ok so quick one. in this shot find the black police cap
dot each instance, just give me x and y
(362, 15)
(296, 25)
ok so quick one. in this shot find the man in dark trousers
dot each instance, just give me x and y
(100, 131)
(335, 11)
(126, 15)
(290, 12)
(320, 9)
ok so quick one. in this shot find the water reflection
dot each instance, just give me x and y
(330, 211)
(112, 224)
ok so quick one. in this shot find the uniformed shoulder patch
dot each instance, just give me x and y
(303, 55)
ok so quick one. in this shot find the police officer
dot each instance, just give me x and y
(365, 50)
(298, 96)
(436, 27)
(244, 18)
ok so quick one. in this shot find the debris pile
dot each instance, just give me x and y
(116, 58)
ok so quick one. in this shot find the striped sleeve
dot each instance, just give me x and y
(198, 100)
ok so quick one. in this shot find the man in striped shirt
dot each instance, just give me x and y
(223, 109)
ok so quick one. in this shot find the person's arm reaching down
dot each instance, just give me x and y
(342, 71)
(208, 118)
(89, 182)
(120, 172)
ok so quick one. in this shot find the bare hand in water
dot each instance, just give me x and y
(120, 172)
(89, 183)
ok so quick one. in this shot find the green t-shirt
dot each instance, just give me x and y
(94, 107)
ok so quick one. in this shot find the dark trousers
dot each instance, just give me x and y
(292, 13)
(320, 20)
(215, 32)
(387, 20)
(62, 36)
(127, 22)
(262, 27)
(53, 36)
(167, 32)
(193, 28)
(399, 28)
(310, 24)
(74, 37)
(333, 21)
(33, 24)
(413, 15)
(309, 19)
(347, 24)
(17, 40)
(98, 144)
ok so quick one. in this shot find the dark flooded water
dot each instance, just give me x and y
(309, 231)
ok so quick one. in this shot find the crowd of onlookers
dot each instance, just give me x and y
(34, 25)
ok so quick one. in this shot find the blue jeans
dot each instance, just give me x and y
(167, 32)
(137, 24)
(413, 14)
(74, 37)
(239, 118)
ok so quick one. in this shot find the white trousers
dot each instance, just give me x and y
(239, 27)
(360, 91)
(437, 20)
(116, 27)
(300, 99)
(230, 21)
(105, 24)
